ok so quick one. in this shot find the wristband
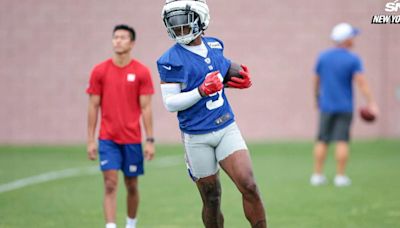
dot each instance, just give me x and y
(150, 140)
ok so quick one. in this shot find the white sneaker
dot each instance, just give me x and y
(342, 181)
(317, 180)
(111, 225)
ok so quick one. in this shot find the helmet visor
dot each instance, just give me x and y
(178, 18)
(180, 23)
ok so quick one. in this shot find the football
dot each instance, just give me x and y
(233, 72)
(367, 115)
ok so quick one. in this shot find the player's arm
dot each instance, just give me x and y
(363, 86)
(238, 77)
(93, 112)
(175, 100)
(147, 118)
(316, 85)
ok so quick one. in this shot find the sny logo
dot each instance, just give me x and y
(392, 6)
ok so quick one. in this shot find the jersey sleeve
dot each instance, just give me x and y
(95, 83)
(226, 64)
(171, 73)
(146, 83)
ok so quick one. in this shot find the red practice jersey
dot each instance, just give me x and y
(120, 89)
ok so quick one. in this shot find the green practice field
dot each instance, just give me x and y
(59, 187)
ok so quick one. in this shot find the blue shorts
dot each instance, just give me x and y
(126, 157)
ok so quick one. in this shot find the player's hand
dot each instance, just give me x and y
(211, 84)
(241, 83)
(92, 150)
(373, 107)
(149, 151)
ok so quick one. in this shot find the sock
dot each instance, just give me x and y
(111, 225)
(131, 222)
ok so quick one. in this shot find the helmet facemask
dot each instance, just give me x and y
(185, 20)
(183, 25)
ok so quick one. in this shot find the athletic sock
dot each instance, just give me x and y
(131, 223)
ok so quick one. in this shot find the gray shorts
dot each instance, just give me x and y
(334, 127)
(203, 152)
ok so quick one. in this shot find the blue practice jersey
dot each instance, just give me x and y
(178, 65)
(336, 68)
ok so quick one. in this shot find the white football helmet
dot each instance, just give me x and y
(189, 14)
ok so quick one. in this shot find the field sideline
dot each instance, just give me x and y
(170, 200)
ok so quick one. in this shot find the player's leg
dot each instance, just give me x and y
(239, 169)
(234, 158)
(110, 163)
(203, 169)
(132, 200)
(110, 195)
(320, 152)
(210, 191)
(342, 155)
(321, 148)
(132, 166)
(341, 134)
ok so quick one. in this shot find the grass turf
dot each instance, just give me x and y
(170, 200)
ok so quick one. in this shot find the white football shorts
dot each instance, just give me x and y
(203, 152)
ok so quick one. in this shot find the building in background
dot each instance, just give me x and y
(48, 48)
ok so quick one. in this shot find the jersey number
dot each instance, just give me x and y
(220, 101)
(217, 103)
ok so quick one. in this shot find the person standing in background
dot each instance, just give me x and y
(336, 70)
(122, 88)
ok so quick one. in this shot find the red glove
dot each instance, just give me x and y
(211, 84)
(241, 83)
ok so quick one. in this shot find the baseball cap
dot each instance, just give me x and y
(343, 31)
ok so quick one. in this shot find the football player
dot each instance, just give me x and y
(193, 75)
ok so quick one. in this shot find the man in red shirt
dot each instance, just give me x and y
(122, 88)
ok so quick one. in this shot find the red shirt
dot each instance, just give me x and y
(120, 89)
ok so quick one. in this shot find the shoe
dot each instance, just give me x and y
(342, 181)
(317, 180)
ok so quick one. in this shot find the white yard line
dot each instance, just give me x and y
(162, 162)
(46, 177)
